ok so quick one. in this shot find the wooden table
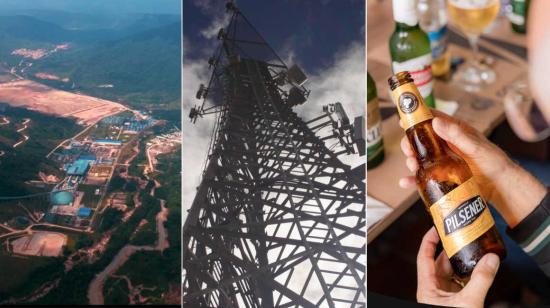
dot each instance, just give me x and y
(382, 181)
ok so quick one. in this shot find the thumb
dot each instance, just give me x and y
(455, 134)
(482, 277)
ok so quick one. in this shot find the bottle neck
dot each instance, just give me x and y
(426, 145)
(405, 27)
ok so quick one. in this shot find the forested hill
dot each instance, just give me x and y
(137, 62)
(140, 69)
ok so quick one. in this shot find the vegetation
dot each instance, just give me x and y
(83, 241)
(90, 199)
(136, 168)
(110, 218)
(147, 235)
(10, 210)
(24, 162)
(130, 201)
(170, 177)
(116, 292)
(117, 183)
(143, 69)
(131, 186)
(168, 265)
(70, 289)
(19, 276)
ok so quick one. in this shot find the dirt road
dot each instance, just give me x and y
(22, 129)
(95, 290)
(4, 121)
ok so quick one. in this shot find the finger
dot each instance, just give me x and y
(406, 147)
(467, 128)
(412, 164)
(483, 276)
(407, 182)
(425, 264)
(441, 114)
(452, 132)
(443, 265)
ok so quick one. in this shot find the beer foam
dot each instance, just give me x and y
(473, 4)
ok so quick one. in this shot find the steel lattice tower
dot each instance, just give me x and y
(278, 220)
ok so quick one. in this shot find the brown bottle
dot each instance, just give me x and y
(446, 185)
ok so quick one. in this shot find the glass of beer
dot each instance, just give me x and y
(472, 17)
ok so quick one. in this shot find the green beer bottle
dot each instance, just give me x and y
(375, 144)
(518, 16)
(410, 49)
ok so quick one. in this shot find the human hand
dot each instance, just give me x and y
(486, 160)
(436, 285)
(512, 190)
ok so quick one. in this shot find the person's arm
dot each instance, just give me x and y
(538, 48)
(533, 234)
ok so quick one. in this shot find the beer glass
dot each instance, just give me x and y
(472, 17)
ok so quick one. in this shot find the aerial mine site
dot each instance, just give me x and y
(89, 167)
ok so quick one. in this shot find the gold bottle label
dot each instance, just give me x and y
(411, 106)
(461, 216)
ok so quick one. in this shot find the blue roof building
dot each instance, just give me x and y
(84, 212)
(89, 157)
(79, 167)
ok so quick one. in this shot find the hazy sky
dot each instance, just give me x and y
(96, 6)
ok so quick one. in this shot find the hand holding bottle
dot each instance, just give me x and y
(435, 277)
(511, 189)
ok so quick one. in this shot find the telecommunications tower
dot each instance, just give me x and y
(278, 220)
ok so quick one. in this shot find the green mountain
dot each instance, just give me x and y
(59, 27)
(139, 69)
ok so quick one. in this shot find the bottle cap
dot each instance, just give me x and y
(404, 11)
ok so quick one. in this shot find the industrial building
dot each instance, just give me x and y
(108, 142)
(84, 212)
(62, 198)
(78, 168)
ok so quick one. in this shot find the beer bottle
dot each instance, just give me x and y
(433, 21)
(375, 144)
(518, 16)
(445, 183)
(410, 48)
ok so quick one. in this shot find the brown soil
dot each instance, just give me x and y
(35, 96)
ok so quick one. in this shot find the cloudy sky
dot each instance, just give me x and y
(325, 38)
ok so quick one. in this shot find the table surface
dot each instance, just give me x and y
(382, 181)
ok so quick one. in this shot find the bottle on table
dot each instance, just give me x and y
(446, 185)
(410, 48)
(375, 143)
(433, 20)
(518, 15)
